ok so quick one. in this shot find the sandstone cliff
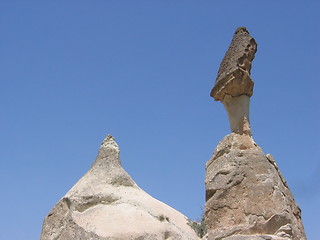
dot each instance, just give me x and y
(107, 204)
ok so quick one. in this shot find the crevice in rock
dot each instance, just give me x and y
(86, 202)
(210, 193)
(273, 163)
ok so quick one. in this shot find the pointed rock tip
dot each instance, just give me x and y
(241, 30)
(109, 153)
(109, 142)
(109, 137)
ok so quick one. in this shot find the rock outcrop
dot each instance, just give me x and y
(246, 196)
(107, 204)
(234, 86)
(234, 72)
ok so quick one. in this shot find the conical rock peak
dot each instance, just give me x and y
(108, 155)
(106, 204)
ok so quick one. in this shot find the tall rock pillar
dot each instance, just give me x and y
(246, 195)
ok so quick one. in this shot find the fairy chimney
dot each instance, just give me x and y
(246, 196)
(234, 86)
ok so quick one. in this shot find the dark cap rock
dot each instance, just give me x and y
(234, 72)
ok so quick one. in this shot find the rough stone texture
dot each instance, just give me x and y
(234, 72)
(246, 196)
(234, 86)
(107, 204)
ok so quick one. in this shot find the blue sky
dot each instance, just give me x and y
(74, 71)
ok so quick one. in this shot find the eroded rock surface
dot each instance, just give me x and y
(107, 204)
(234, 86)
(246, 195)
(234, 72)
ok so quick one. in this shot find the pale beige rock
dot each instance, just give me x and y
(238, 113)
(107, 204)
(246, 196)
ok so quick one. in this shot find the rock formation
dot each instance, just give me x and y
(234, 86)
(246, 195)
(106, 204)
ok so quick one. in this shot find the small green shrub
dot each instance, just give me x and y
(162, 218)
(198, 226)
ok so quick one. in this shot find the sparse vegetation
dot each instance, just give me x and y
(163, 218)
(198, 226)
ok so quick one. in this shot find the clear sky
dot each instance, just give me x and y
(74, 71)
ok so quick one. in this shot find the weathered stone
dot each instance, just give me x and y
(238, 113)
(107, 204)
(234, 72)
(246, 196)
(234, 86)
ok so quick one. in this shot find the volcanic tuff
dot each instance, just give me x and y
(107, 204)
(247, 198)
(246, 195)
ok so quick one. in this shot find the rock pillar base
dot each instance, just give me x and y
(246, 196)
